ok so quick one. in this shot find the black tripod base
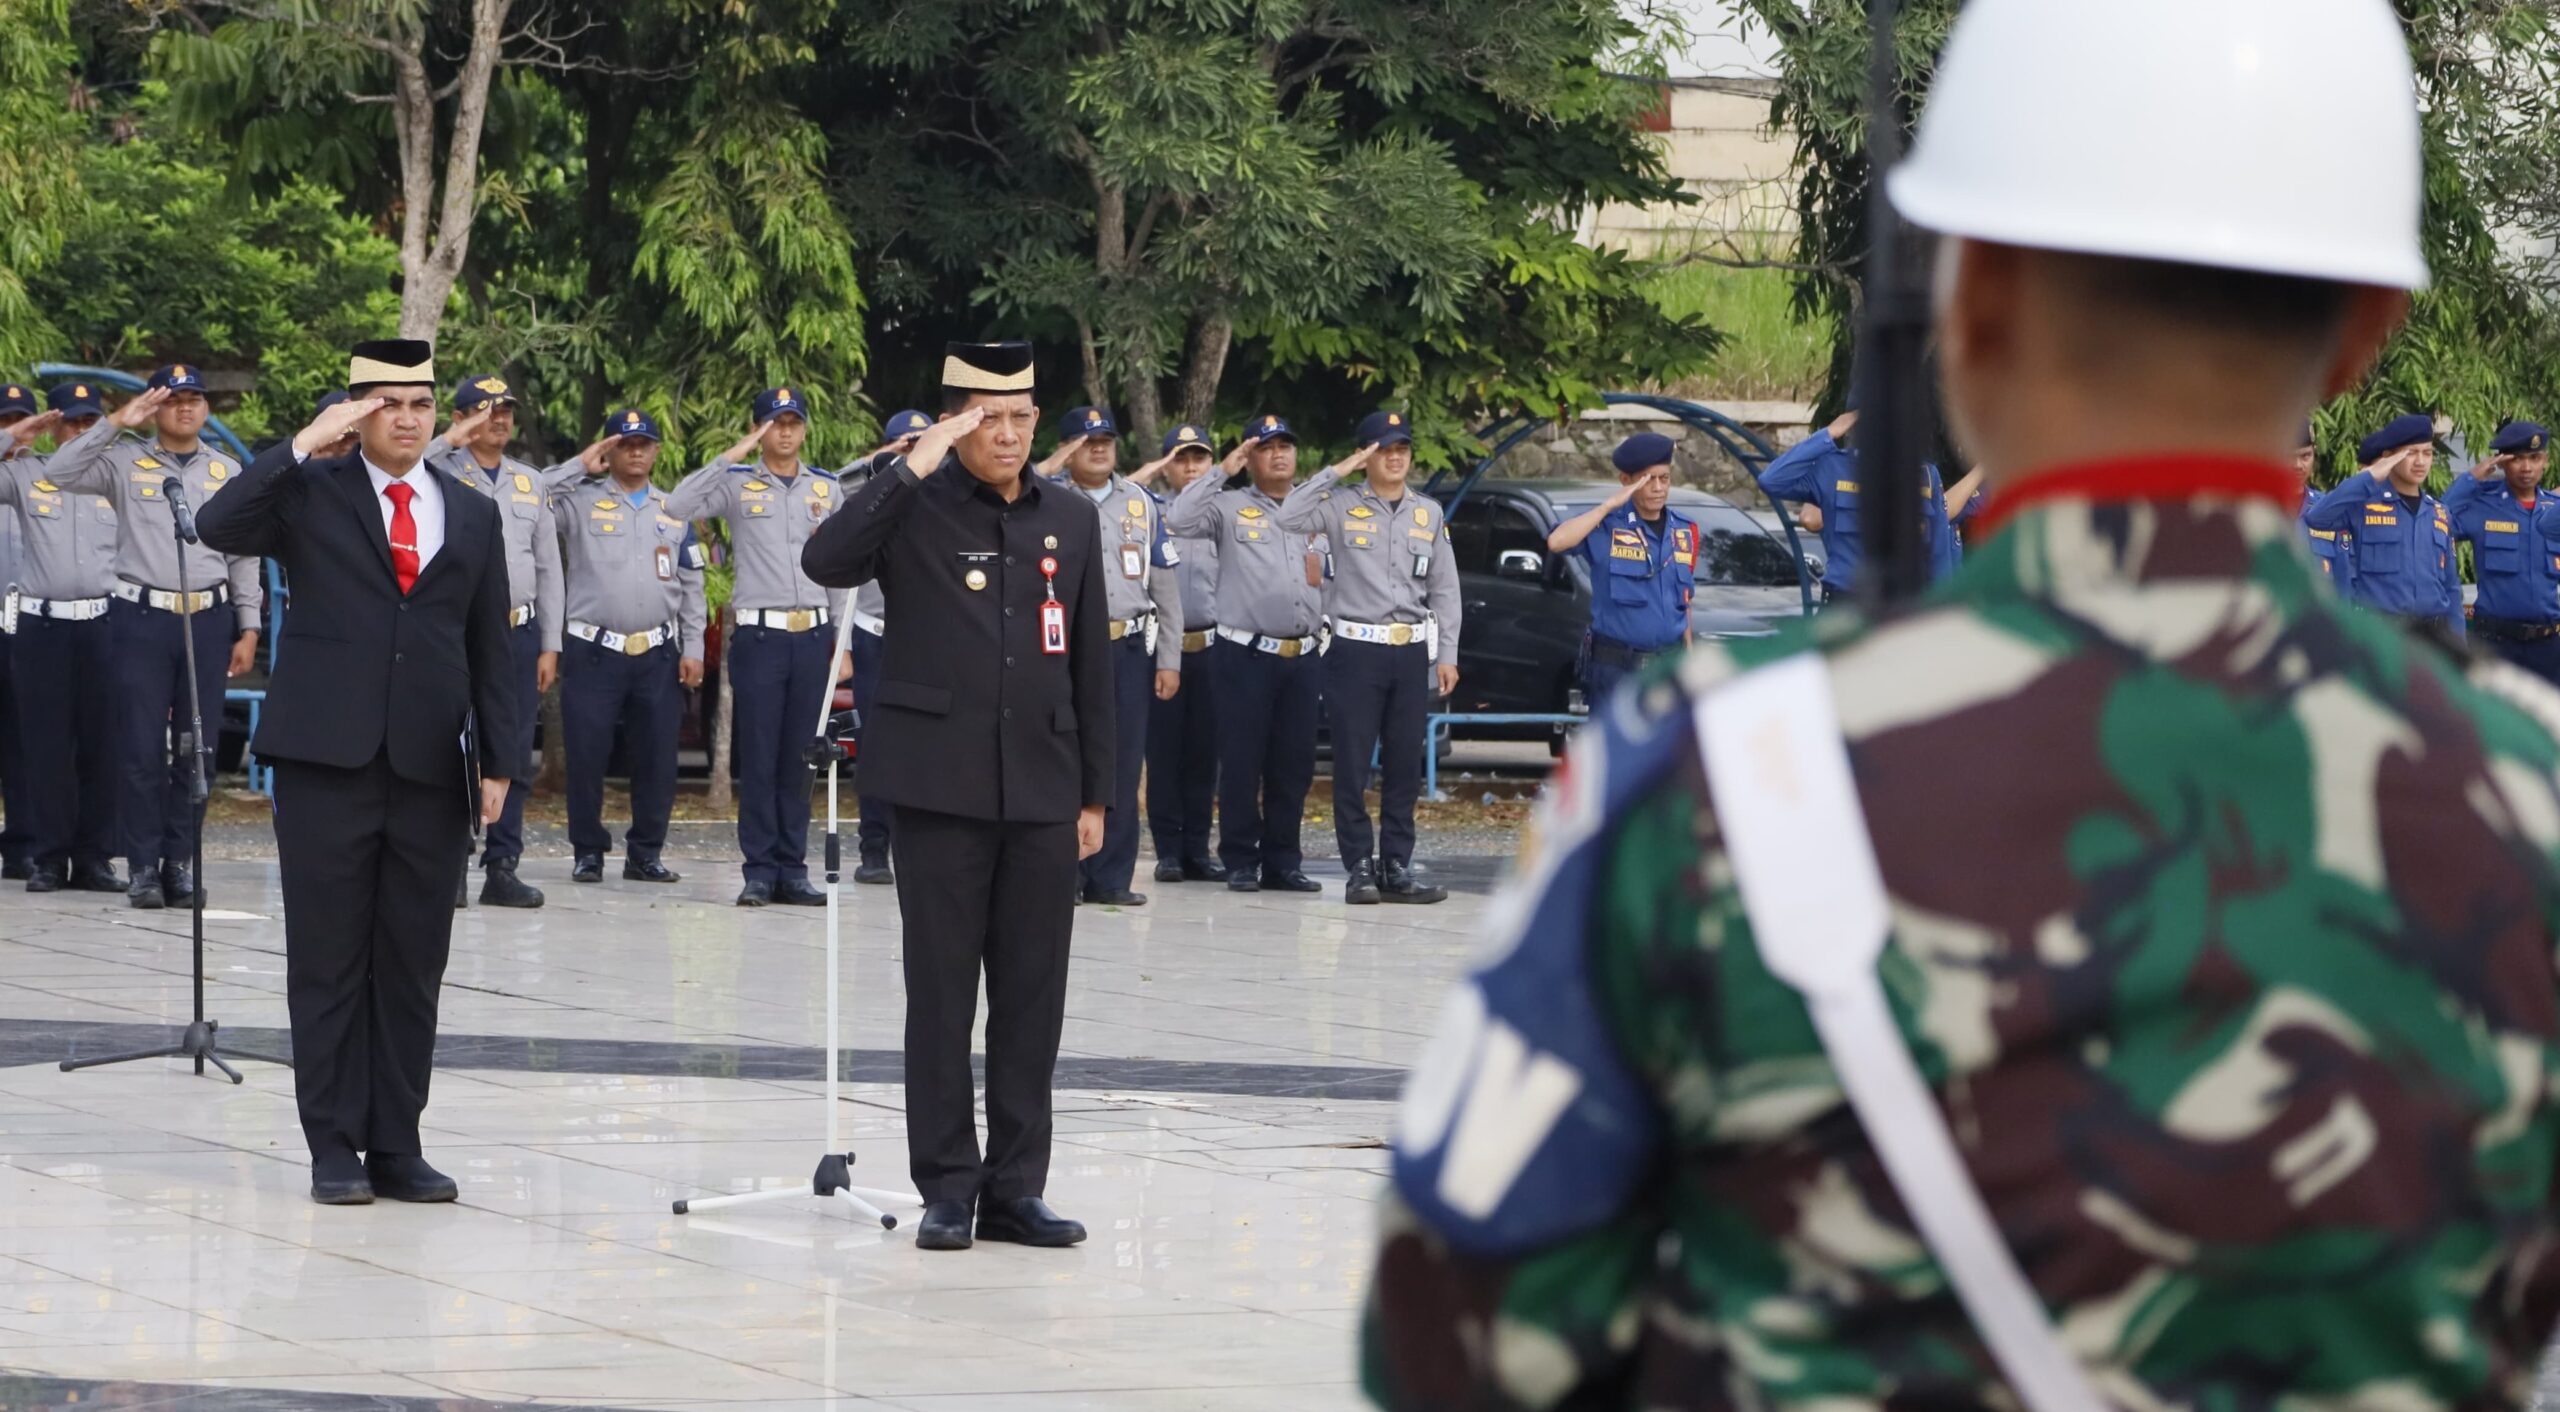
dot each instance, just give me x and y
(201, 1042)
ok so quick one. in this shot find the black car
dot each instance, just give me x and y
(1527, 609)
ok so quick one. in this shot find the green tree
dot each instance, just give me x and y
(40, 193)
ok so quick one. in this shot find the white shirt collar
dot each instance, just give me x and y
(382, 479)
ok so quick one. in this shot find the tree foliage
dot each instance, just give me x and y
(40, 193)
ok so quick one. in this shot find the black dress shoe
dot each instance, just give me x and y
(1168, 870)
(1362, 889)
(145, 893)
(1114, 897)
(1396, 883)
(178, 884)
(1293, 880)
(405, 1176)
(874, 874)
(500, 887)
(1243, 882)
(650, 870)
(44, 879)
(1203, 870)
(757, 893)
(95, 877)
(945, 1226)
(17, 870)
(338, 1179)
(588, 868)
(796, 892)
(1027, 1220)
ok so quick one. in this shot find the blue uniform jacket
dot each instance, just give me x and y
(2331, 548)
(2515, 552)
(2403, 564)
(1821, 472)
(1641, 580)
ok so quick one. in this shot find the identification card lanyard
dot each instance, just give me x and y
(1053, 614)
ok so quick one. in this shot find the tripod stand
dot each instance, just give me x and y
(203, 1039)
(833, 1181)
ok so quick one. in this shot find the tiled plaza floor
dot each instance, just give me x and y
(1228, 1065)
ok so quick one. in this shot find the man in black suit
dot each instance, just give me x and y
(991, 736)
(395, 649)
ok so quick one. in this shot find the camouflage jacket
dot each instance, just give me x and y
(2223, 926)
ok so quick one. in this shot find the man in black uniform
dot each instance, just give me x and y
(991, 739)
(397, 647)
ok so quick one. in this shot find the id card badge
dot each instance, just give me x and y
(1422, 565)
(1053, 614)
(1133, 561)
(666, 563)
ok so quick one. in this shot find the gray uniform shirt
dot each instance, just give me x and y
(147, 550)
(868, 601)
(1140, 563)
(64, 541)
(532, 533)
(769, 517)
(1261, 585)
(1391, 563)
(628, 569)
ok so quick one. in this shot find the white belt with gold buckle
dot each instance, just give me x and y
(635, 644)
(1388, 634)
(168, 602)
(66, 610)
(520, 616)
(1276, 646)
(784, 620)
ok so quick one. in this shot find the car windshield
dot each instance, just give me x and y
(1733, 548)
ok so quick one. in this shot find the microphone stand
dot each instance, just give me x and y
(202, 1041)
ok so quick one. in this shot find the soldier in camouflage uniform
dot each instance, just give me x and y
(2220, 916)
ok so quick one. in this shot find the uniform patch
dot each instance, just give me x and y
(1249, 512)
(1421, 517)
(757, 485)
(821, 489)
(1845, 487)
(524, 482)
(1361, 512)
(145, 463)
(2501, 526)
(1138, 506)
(48, 487)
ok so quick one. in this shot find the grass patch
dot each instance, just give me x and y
(1768, 355)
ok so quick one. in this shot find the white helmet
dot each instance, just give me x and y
(2271, 135)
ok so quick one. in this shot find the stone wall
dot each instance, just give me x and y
(1580, 449)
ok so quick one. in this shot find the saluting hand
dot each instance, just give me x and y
(593, 457)
(935, 442)
(1057, 458)
(467, 427)
(2492, 468)
(1153, 468)
(1088, 831)
(334, 423)
(1357, 460)
(24, 433)
(900, 447)
(1234, 460)
(752, 441)
(140, 409)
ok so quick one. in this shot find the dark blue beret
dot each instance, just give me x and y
(1641, 452)
(2415, 429)
(2521, 438)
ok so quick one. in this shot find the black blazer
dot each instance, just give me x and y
(361, 667)
(972, 717)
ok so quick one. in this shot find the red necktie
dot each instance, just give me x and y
(404, 534)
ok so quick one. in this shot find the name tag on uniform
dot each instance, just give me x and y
(2501, 526)
(1845, 487)
(1133, 561)
(526, 499)
(2381, 520)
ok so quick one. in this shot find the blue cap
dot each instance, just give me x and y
(1385, 429)
(2521, 438)
(905, 424)
(1641, 452)
(631, 421)
(481, 389)
(75, 399)
(774, 402)
(180, 377)
(14, 398)
(1187, 434)
(1270, 428)
(329, 399)
(2415, 429)
(1087, 421)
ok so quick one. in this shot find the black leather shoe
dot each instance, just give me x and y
(1291, 881)
(405, 1176)
(1243, 882)
(588, 868)
(1203, 870)
(17, 870)
(945, 1226)
(1362, 889)
(500, 887)
(178, 884)
(338, 1179)
(635, 870)
(1027, 1220)
(757, 893)
(44, 880)
(95, 877)
(145, 893)
(796, 892)
(1114, 897)
(1396, 883)
(1168, 870)
(874, 874)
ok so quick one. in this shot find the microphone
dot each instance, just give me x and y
(177, 496)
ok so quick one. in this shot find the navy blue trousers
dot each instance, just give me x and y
(1377, 700)
(777, 680)
(873, 834)
(1133, 681)
(1182, 763)
(17, 833)
(600, 690)
(1266, 755)
(64, 794)
(151, 708)
(2540, 657)
(503, 844)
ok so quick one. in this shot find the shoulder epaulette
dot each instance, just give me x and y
(820, 472)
